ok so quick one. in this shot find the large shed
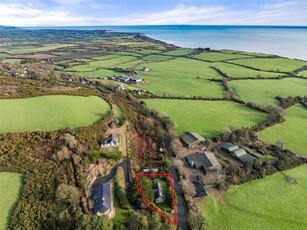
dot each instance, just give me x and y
(190, 139)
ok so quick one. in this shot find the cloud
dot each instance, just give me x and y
(275, 13)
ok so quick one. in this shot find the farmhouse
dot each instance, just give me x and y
(158, 193)
(237, 152)
(190, 139)
(110, 141)
(203, 161)
(101, 197)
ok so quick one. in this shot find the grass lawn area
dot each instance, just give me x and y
(272, 64)
(269, 203)
(10, 186)
(120, 214)
(50, 112)
(240, 72)
(211, 56)
(265, 91)
(292, 132)
(207, 118)
(118, 112)
(178, 52)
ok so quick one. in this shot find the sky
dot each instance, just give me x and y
(152, 12)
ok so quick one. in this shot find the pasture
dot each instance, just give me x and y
(156, 58)
(235, 71)
(269, 203)
(292, 132)
(207, 118)
(265, 91)
(50, 112)
(303, 73)
(102, 63)
(178, 52)
(272, 64)
(34, 49)
(214, 56)
(10, 186)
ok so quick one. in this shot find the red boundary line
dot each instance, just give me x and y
(175, 221)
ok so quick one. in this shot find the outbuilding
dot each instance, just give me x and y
(190, 139)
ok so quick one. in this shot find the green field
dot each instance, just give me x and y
(50, 112)
(292, 132)
(207, 118)
(10, 186)
(269, 203)
(179, 77)
(211, 56)
(178, 52)
(303, 73)
(156, 58)
(235, 71)
(265, 91)
(272, 64)
(245, 53)
(99, 73)
(102, 63)
(33, 49)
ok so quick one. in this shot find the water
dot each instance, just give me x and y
(285, 41)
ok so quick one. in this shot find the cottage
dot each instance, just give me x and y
(158, 193)
(190, 139)
(101, 198)
(110, 141)
(145, 69)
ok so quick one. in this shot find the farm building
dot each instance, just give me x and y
(110, 141)
(101, 194)
(190, 139)
(158, 193)
(135, 80)
(203, 161)
(122, 78)
(237, 152)
(198, 183)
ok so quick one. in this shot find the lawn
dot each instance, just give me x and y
(10, 186)
(272, 64)
(235, 71)
(212, 56)
(207, 118)
(50, 112)
(265, 91)
(292, 132)
(118, 112)
(269, 203)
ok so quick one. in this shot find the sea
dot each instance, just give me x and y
(286, 41)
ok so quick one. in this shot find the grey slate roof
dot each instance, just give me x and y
(101, 196)
(198, 159)
(189, 138)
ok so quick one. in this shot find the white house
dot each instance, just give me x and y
(110, 141)
(158, 193)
